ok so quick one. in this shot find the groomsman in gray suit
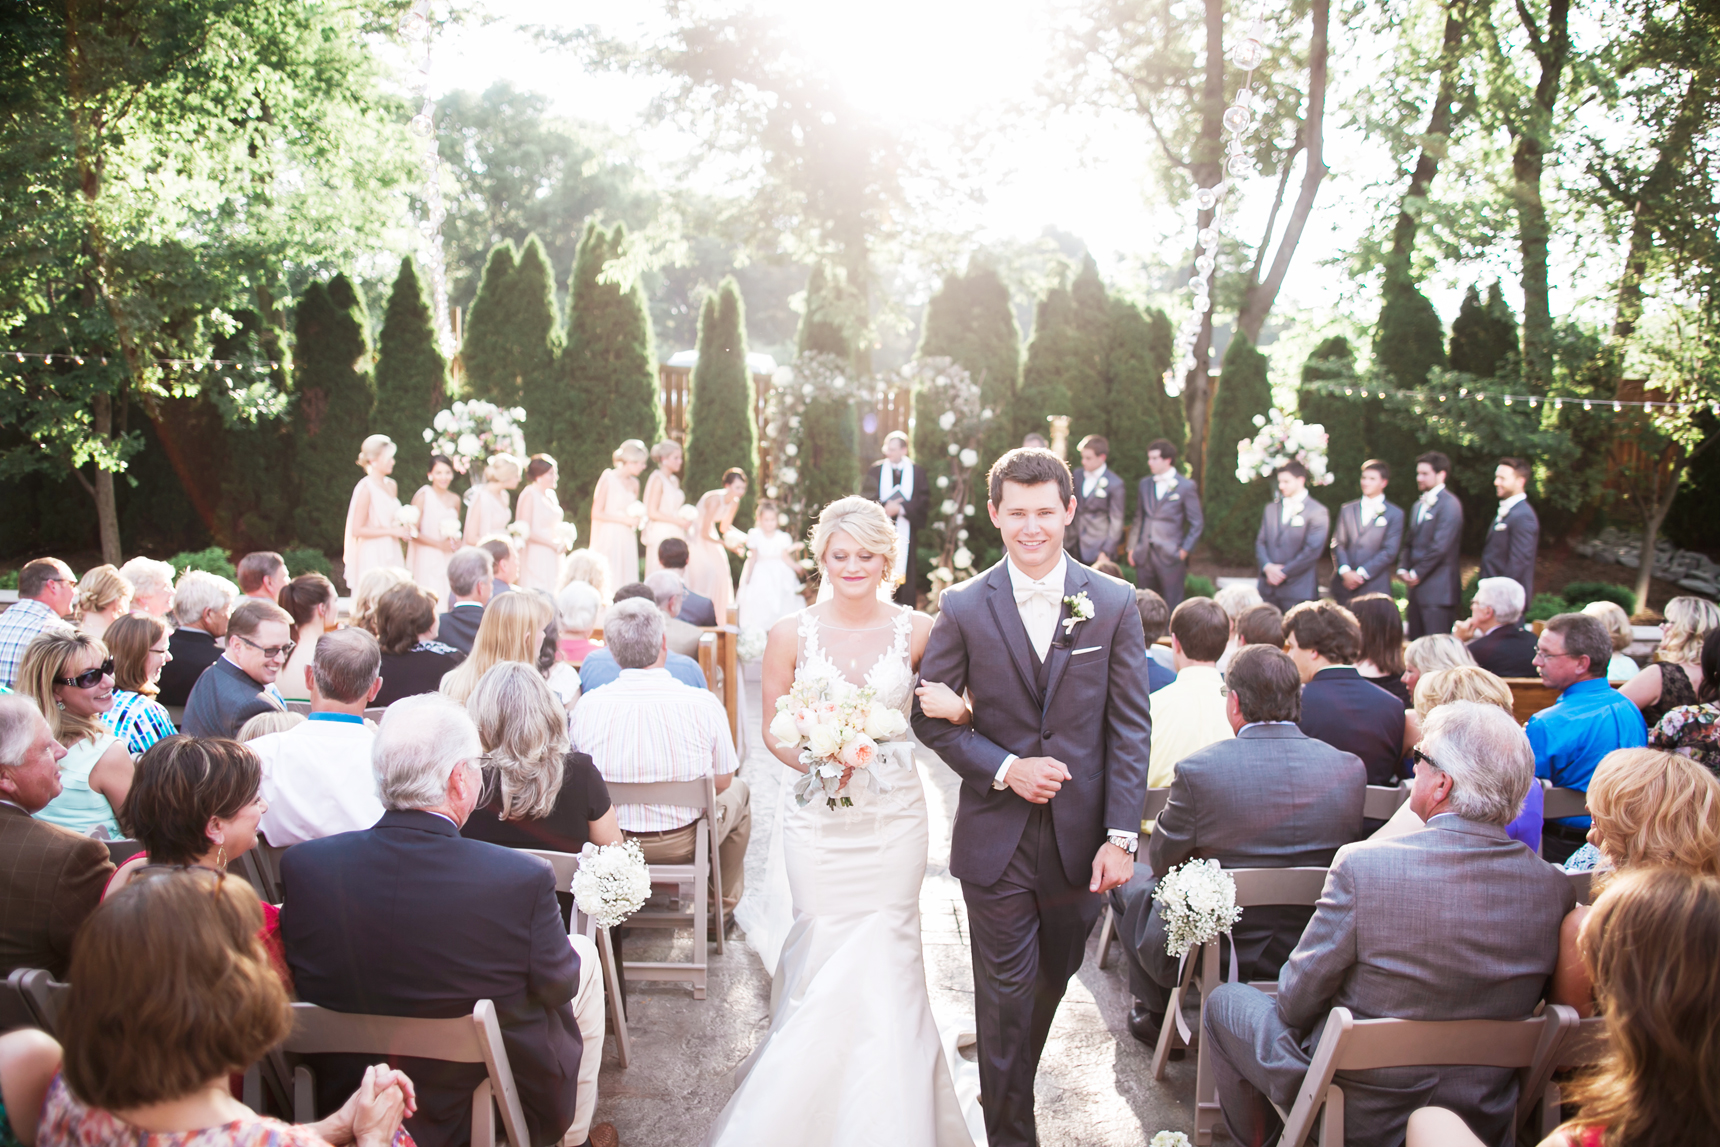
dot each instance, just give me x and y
(1429, 563)
(1099, 504)
(1454, 922)
(1369, 534)
(1168, 523)
(1516, 532)
(1293, 533)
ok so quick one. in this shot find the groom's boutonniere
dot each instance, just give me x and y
(1080, 609)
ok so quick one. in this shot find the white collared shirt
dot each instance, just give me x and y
(1506, 505)
(1164, 483)
(318, 780)
(1424, 504)
(1371, 508)
(1090, 480)
(1290, 507)
(1188, 715)
(1039, 616)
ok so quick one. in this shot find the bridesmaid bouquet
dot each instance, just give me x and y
(636, 510)
(451, 528)
(567, 534)
(735, 540)
(836, 726)
(612, 882)
(1197, 902)
(689, 514)
(407, 515)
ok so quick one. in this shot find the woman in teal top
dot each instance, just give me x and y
(70, 677)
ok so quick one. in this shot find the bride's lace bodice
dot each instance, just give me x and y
(878, 657)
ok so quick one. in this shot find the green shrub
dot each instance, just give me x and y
(1579, 593)
(411, 377)
(1544, 606)
(307, 560)
(332, 414)
(1196, 586)
(212, 560)
(722, 430)
(1232, 509)
(9, 579)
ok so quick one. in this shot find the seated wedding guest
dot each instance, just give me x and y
(410, 919)
(668, 590)
(1589, 720)
(469, 573)
(138, 642)
(696, 608)
(202, 603)
(577, 606)
(1651, 810)
(1498, 640)
(600, 667)
(413, 661)
(46, 589)
(372, 584)
(1155, 620)
(562, 678)
(1272, 797)
(50, 877)
(241, 683)
(647, 727)
(1612, 615)
(172, 995)
(1694, 730)
(505, 559)
(1189, 714)
(102, 595)
(263, 575)
(512, 630)
(592, 568)
(1676, 674)
(1434, 651)
(1454, 922)
(70, 678)
(316, 775)
(1338, 706)
(151, 586)
(310, 600)
(267, 722)
(1381, 658)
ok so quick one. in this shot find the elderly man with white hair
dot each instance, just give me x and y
(1454, 922)
(669, 591)
(1497, 638)
(409, 918)
(151, 585)
(202, 602)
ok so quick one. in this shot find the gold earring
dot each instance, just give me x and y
(221, 855)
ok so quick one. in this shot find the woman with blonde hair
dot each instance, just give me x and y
(488, 512)
(70, 678)
(538, 511)
(1650, 809)
(375, 535)
(138, 643)
(592, 568)
(512, 630)
(664, 502)
(1435, 651)
(264, 724)
(707, 572)
(615, 519)
(102, 595)
(1676, 675)
(1612, 615)
(369, 591)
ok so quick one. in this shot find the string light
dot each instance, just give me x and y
(261, 366)
(1682, 406)
(418, 28)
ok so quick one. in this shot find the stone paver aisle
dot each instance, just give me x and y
(1095, 1087)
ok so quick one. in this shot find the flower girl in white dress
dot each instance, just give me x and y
(770, 580)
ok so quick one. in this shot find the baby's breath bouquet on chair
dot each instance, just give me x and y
(1197, 902)
(612, 882)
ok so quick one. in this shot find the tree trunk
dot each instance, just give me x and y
(1438, 135)
(1672, 153)
(107, 513)
(1257, 301)
(1527, 162)
(1207, 168)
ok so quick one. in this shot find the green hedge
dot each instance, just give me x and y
(212, 560)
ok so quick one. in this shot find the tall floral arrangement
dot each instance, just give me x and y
(809, 378)
(470, 433)
(1283, 438)
(946, 386)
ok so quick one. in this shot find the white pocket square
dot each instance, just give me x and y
(1087, 649)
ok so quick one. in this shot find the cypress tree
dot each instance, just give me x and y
(830, 432)
(256, 506)
(487, 351)
(1232, 508)
(1410, 339)
(1484, 336)
(1043, 390)
(722, 430)
(1065, 369)
(411, 376)
(971, 322)
(331, 346)
(610, 389)
(1349, 422)
(1138, 352)
(536, 330)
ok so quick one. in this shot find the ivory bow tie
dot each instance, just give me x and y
(1043, 590)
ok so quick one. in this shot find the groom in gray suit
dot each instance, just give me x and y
(1053, 768)
(1454, 922)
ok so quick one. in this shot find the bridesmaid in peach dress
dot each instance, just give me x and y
(614, 525)
(708, 555)
(664, 500)
(539, 511)
(488, 511)
(373, 530)
(438, 533)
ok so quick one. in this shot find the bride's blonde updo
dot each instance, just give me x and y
(863, 520)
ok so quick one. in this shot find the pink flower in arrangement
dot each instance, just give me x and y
(859, 753)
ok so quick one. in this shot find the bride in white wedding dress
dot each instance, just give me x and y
(853, 1056)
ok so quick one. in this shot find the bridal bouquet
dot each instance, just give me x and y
(836, 726)
(407, 515)
(1197, 902)
(612, 882)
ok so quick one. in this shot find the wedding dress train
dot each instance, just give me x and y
(853, 1056)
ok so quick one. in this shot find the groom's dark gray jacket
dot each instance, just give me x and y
(1093, 716)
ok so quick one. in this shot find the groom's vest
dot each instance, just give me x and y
(1041, 672)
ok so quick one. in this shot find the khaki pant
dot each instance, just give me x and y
(734, 829)
(588, 1012)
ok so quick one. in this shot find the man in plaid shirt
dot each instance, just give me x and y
(46, 588)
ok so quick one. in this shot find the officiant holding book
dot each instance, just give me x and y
(901, 487)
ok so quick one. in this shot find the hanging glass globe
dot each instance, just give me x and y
(1240, 166)
(1207, 236)
(1206, 198)
(1201, 304)
(421, 125)
(1198, 285)
(1238, 119)
(1248, 54)
(1205, 264)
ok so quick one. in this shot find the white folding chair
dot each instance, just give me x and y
(1583, 1043)
(566, 865)
(1557, 803)
(1349, 1044)
(476, 1038)
(1383, 801)
(700, 879)
(375, 712)
(301, 707)
(1155, 804)
(1581, 884)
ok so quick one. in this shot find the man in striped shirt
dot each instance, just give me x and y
(646, 726)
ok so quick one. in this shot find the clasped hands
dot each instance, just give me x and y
(375, 1111)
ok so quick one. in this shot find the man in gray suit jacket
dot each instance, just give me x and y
(1100, 498)
(1370, 532)
(1454, 922)
(1272, 798)
(1293, 533)
(1429, 564)
(1516, 533)
(1168, 523)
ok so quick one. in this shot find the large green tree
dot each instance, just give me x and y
(1410, 339)
(1232, 507)
(1137, 409)
(722, 428)
(970, 321)
(514, 336)
(331, 416)
(830, 431)
(1484, 334)
(1065, 357)
(411, 375)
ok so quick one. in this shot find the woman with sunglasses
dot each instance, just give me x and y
(69, 676)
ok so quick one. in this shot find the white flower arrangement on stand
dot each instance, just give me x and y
(837, 726)
(808, 378)
(1283, 438)
(612, 883)
(943, 382)
(1197, 902)
(470, 433)
(749, 647)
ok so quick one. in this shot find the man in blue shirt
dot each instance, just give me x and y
(599, 667)
(1590, 719)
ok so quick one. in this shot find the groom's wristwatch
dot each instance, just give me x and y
(1127, 843)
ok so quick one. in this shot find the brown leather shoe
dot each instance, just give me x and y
(604, 1135)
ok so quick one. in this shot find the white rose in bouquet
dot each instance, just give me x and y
(785, 729)
(635, 510)
(734, 539)
(884, 724)
(518, 530)
(689, 514)
(824, 740)
(612, 882)
(567, 534)
(407, 515)
(451, 528)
